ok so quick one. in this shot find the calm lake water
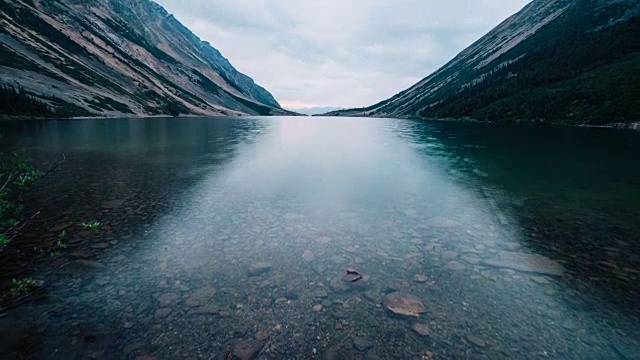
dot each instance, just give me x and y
(231, 238)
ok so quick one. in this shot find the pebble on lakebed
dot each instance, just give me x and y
(420, 278)
(404, 304)
(167, 299)
(242, 349)
(421, 329)
(348, 280)
(259, 268)
(308, 256)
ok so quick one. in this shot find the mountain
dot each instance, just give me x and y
(114, 58)
(562, 61)
(316, 110)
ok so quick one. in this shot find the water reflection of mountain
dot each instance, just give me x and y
(126, 135)
(145, 164)
(111, 144)
(567, 189)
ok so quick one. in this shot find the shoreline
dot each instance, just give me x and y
(614, 125)
(124, 116)
(635, 125)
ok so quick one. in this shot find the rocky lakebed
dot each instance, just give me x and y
(243, 254)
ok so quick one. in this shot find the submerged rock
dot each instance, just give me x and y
(247, 349)
(167, 299)
(200, 297)
(320, 293)
(261, 335)
(352, 277)
(449, 255)
(362, 344)
(404, 304)
(473, 260)
(336, 352)
(421, 329)
(524, 262)
(456, 266)
(225, 354)
(162, 313)
(476, 340)
(419, 278)
(339, 286)
(308, 256)
(348, 280)
(324, 240)
(259, 268)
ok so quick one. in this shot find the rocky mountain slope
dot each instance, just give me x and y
(116, 57)
(567, 61)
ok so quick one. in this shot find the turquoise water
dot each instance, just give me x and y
(231, 238)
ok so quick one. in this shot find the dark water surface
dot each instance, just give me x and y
(521, 242)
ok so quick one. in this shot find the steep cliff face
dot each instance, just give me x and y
(572, 61)
(117, 57)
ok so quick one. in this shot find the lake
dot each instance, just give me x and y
(328, 238)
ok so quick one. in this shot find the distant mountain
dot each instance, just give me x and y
(316, 110)
(565, 61)
(113, 58)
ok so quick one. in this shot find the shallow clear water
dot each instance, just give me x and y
(524, 239)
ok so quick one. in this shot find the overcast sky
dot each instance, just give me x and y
(346, 53)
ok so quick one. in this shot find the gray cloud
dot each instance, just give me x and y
(335, 52)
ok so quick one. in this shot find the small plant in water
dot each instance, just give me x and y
(62, 237)
(22, 286)
(59, 245)
(25, 180)
(3, 240)
(92, 225)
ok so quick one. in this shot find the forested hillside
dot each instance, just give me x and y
(560, 61)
